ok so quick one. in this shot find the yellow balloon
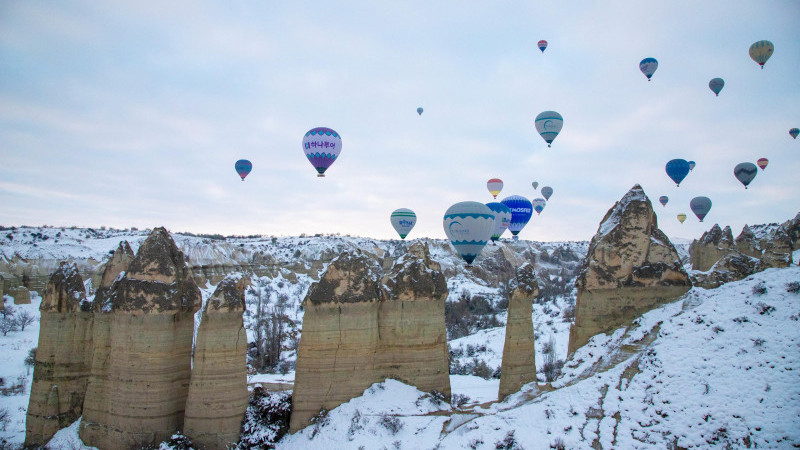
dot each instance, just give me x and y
(681, 217)
(761, 51)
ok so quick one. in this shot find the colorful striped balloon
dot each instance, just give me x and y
(495, 185)
(542, 45)
(762, 163)
(469, 226)
(322, 146)
(761, 51)
(539, 204)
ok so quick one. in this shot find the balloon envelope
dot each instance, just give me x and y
(700, 206)
(403, 220)
(794, 132)
(495, 185)
(535, 185)
(547, 191)
(469, 226)
(677, 169)
(716, 85)
(548, 125)
(663, 200)
(539, 204)
(502, 219)
(521, 212)
(681, 217)
(762, 163)
(542, 45)
(745, 172)
(648, 67)
(419, 110)
(761, 51)
(243, 167)
(322, 146)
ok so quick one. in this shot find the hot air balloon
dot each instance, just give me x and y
(745, 172)
(322, 146)
(648, 67)
(681, 217)
(243, 167)
(542, 45)
(539, 204)
(761, 51)
(403, 220)
(547, 191)
(663, 200)
(677, 169)
(419, 110)
(762, 163)
(548, 125)
(700, 206)
(691, 165)
(716, 85)
(535, 185)
(794, 132)
(495, 185)
(502, 219)
(521, 212)
(469, 226)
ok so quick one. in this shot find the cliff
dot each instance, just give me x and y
(631, 267)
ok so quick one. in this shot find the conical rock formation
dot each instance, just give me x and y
(630, 268)
(361, 327)
(218, 394)
(519, 366)
(137, 397)
(63, 358)
(711, 247)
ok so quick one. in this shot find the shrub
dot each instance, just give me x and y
(760, 289)
(508, 443)
(558, 444)
(266, 419)
(391, 423)
(763, 308)
(793, 287)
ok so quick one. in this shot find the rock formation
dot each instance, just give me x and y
(61, 372)
(710, 248)
(519, 366)
(733, 266)
(747, 244)
(631, 267)
(138, 395)
(21, 294)
(218, 394)
(361, 327)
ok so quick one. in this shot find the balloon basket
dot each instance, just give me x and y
(320, 175)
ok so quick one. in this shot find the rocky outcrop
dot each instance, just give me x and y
(733, 266)
(777, 250)
(747, 244)
(138, 395)
(519, 366)
(63, 358)
(218, 394)
(21, 294)
(117, 265)
(361, 327)
(712, 245)
(631, 267)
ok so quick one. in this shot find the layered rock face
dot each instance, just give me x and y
(631, 267)
(733, 266)
(63, 358)
(218, 394)
(137, 396)
(711, 247)
(21, 294)
(519, 366)
(361, 327)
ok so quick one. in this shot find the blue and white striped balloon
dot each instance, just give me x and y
(502, 219)
(469, 226)
(539, 204)
(521, 212)
(548, 125)
(648, 67)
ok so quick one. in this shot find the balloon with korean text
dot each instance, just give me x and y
(469, 226)
(745, 172)
(521, 212)
(663, 200)
(419, 110)
(716, 85)
(547, 191)
(322, 146)
(495, 185)
(793, 132)
(700, 206)
(648, 67)
(502, 219)
(542, 45)
(403, 220)
(677, 169)
(243, 167)
(681, 217)
(761, 51)
(538, 205)
(762, 163)
(548, 125)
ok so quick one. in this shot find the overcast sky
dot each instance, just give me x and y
(133, 113)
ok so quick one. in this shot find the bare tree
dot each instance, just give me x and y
(24, 318)
(7, 324)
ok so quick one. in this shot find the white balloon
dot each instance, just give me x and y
(403, 220)
(469, 226)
